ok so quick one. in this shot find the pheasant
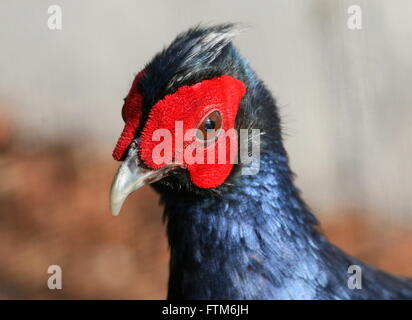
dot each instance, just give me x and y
(232, 235)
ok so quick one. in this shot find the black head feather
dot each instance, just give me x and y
(193, 56)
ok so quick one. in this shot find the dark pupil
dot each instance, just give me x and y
(209, 124)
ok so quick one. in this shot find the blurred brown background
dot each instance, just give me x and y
(344, 97)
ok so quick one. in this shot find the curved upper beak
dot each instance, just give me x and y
(131, 176)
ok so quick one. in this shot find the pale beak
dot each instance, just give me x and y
(131, 176)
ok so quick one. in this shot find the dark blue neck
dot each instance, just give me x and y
(258, 241)
(219, 244)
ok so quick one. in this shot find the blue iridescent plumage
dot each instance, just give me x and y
(253, 237)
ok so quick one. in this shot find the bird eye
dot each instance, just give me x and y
(209, 128)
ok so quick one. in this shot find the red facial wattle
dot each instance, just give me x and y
(132, 114)
(189, 105)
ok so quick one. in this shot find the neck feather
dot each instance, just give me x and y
(259, 224)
